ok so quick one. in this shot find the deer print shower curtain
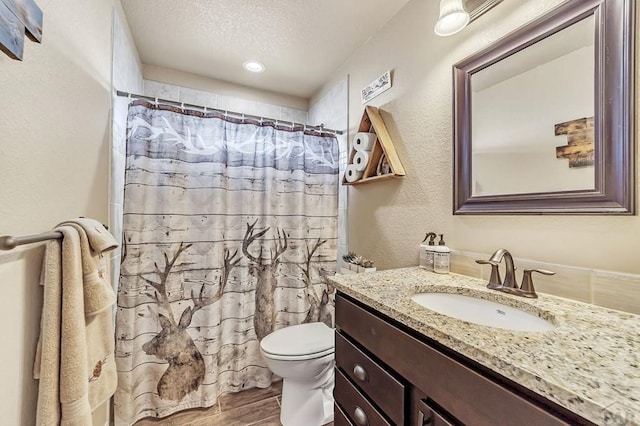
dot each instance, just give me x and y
(227, 224)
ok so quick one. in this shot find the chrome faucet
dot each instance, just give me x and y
(509, 284)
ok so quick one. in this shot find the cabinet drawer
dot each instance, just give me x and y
(358, 410)
(428, 416)
(381, 387)
(339, 418)
(425, 413)
(468, 395)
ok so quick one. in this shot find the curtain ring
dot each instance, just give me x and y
(155, 101)
(205, 109)
(182, 106)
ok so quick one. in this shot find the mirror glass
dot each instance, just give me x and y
(544, 117)
(532, 123)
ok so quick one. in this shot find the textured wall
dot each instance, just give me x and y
(54, 155)
(387, 220)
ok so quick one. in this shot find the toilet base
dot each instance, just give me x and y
(304, 405)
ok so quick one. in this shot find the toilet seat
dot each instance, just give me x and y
(299, 342)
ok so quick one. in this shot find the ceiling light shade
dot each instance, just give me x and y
(253, 66)
(453, 17)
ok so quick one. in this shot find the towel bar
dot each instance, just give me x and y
(8, 243)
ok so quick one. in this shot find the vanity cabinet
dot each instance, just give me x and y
(387, 374)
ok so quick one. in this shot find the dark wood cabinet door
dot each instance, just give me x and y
(384, 390)
(355, 405)
(468, 394)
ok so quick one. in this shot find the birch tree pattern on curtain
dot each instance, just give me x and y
(227, 224)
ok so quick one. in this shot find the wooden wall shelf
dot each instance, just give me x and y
(371, 122)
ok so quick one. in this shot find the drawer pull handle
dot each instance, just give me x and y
(360, 417)
(425, 420)
(360, 373)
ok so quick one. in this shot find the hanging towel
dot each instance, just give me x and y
(74, 358)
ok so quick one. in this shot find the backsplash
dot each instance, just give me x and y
(602, 288)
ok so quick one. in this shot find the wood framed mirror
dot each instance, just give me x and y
(544, 117)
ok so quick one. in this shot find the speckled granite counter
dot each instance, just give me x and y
(590, 363)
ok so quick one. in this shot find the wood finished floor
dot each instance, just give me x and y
(254, 407)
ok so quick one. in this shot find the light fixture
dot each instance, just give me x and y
(253, 66)
(453, 18)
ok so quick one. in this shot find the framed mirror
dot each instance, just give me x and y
(544, 117)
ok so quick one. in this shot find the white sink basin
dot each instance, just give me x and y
(483, 312)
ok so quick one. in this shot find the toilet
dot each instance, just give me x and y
(303, 355)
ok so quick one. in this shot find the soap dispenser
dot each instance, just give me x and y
(427, 251)
(441, 257)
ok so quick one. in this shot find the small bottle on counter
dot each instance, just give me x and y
(427, 251)
(441, 257)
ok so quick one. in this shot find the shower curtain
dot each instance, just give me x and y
(227, 224)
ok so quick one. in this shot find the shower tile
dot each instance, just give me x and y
(198, 97)
(293, 114)
(114, 269)
(343, 143)
(127, 74)
(116, 179)
(343, 192)
(616, 291)
(119, 138)
(161, 90)
(343, 229)
(331, 109)
(342, 250)
(115, 221)
(244, 106)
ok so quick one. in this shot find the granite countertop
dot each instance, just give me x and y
(590, 363)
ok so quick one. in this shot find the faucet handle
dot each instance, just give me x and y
(494, 281)
(527, 289)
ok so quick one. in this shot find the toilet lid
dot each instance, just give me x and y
(303, 339)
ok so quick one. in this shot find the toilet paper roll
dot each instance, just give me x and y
(361, 159)
(351, 174)
(364, 141)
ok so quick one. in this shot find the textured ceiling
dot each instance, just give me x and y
(301, 42)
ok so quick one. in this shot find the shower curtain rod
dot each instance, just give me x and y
(319, 128)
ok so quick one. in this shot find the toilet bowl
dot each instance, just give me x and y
(303, 355)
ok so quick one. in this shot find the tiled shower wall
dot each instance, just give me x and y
(332, 110)
(127, 77)
(223, 102)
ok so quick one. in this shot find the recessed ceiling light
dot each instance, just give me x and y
(253, 66)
